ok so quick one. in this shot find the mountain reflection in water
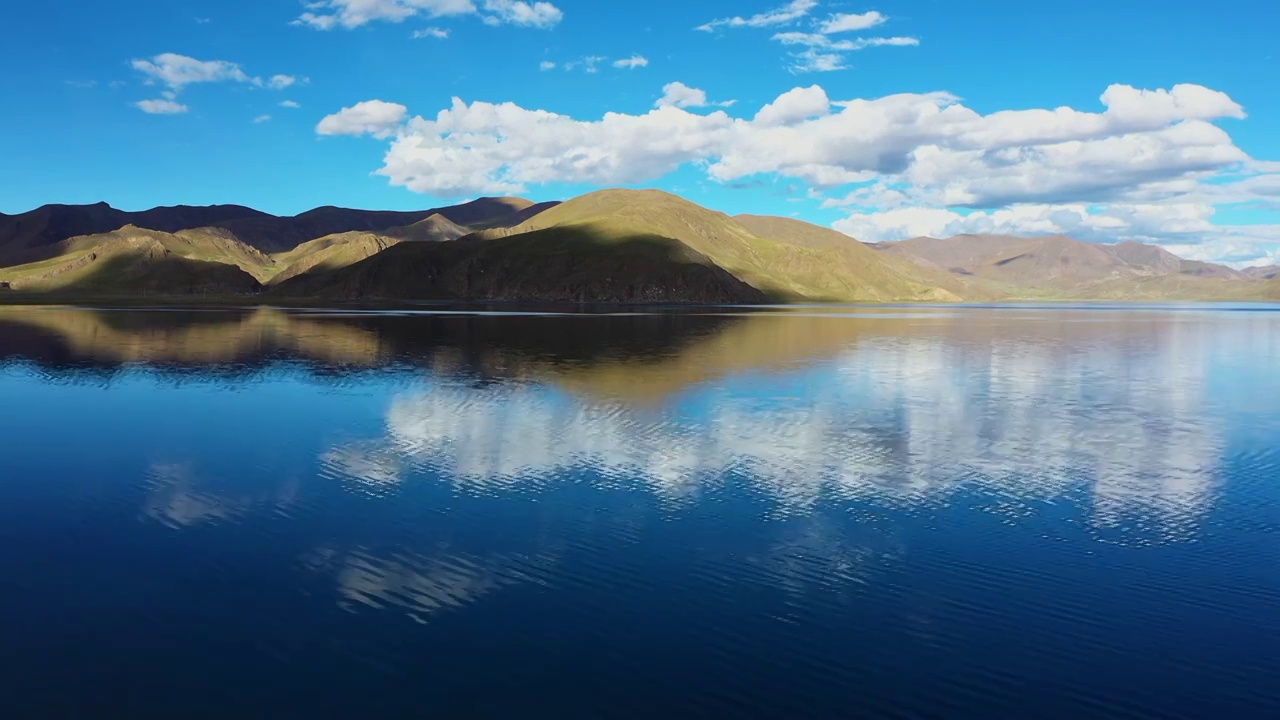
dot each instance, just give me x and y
(738, 488)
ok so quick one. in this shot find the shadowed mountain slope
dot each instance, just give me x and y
(343, 249)
(28, 237)
(24, 236)
(562, 264)
(805, 268)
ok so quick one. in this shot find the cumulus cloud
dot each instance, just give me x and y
(794, 106)
(161, 107)
(929, 140)
(261, 119)
(850, 22)
(431, 32)
(677, 94)
(923, 163)
(789, 13)
(289, 104)
(371, 117)
(631, 63)
(546, 65)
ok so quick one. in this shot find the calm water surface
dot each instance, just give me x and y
(822, 513)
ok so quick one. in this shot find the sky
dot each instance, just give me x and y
(1153, 120)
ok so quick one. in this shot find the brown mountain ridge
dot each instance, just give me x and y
(606, 246)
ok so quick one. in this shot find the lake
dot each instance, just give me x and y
(819, 512)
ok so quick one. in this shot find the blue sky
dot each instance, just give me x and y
(947, 132)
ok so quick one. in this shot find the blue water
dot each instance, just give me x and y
(833, 512)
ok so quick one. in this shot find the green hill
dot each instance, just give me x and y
(131, 261)
(343, 249)
(874, 276)
(619, 245)
(560, 264)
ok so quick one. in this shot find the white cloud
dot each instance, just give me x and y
(504, 147)
(925, 157)
(431, 32)
(822, 54)
(261, 119)
(161, 107)
(784, 15)
(178, 71)
(587, 63)
(1183, 228)
(677, 94)
(546, 65)
(514, 12)
(289, 104)
(329, 14)
(794, 106)
(280, 82)
(928, 140)
(631, 63)
(850, 22)
(824, 42)
(372, 117)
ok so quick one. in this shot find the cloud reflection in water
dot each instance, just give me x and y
(897, 422)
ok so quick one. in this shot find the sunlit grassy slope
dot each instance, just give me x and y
(620, 245)
(133, 260)
(343, 249)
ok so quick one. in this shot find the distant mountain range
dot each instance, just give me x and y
(606, 246)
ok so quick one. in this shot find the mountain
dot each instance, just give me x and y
(882, 277)
(436, 228)
(329, 253)
(28, 237)
(547, 265)
(629, 245)
(1057, 261)
(1161, 261)
(1062, 267)
(23, 236)
(136, 261)
(606, 246)
(342, 249)
(1263, 273)
(280, 234)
